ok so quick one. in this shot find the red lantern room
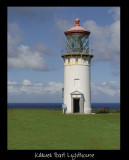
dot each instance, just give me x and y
(77, 29)
(77, 39)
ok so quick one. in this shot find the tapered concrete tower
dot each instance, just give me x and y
(77, 91)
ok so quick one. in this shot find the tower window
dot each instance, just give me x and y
(77, 82)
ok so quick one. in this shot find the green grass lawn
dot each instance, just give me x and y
(46, 129)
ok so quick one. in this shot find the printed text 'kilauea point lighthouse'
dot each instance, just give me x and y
(77, 90)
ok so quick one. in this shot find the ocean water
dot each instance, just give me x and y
(112, 106)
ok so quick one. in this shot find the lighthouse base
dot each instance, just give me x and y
(88, 111)
(76, 111)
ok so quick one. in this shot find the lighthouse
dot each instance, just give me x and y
(77, 90)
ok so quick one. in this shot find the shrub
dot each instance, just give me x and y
(101, 110)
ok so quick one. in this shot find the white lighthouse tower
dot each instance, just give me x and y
(77, 92)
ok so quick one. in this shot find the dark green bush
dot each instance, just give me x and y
(101, 110)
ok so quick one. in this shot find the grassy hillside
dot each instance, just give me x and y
(46, 129)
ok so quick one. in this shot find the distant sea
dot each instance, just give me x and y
(112, 106)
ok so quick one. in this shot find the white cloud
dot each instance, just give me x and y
(26, 82)
(25, 57)
(63, 24)
(15, 35)
(12, 83)
(28, 88)
(106, 39)
(107, 89)
(54, 87)
(116, 13)
(110, 89)
(42, 49)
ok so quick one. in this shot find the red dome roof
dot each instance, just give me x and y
(77, 29)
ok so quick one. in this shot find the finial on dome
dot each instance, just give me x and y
(77, 20)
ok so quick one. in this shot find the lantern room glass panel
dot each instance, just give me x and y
(77, 43)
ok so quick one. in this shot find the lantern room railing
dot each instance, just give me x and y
(90, 51)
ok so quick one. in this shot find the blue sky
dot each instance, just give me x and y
(35, 39)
